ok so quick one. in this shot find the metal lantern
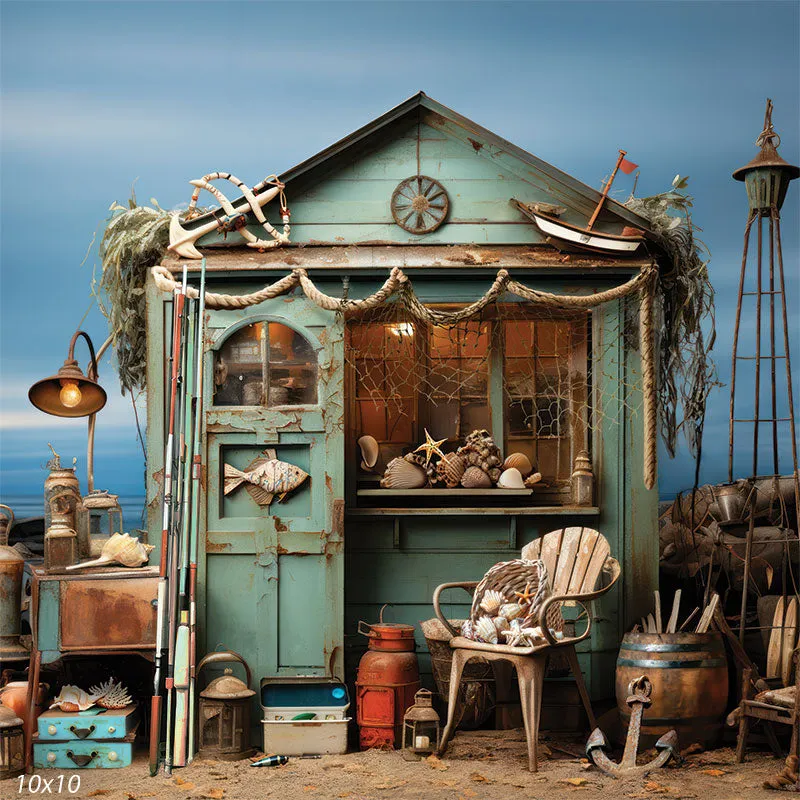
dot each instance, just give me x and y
(421, 733)
(60, 539)
(12, 749)
(224, 713)
(582, 482)
(99, 517)
(11, 566)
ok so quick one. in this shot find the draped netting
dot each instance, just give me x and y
(402, 350)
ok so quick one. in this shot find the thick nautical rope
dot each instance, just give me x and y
(647, 350)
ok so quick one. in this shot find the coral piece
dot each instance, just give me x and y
(111, 694)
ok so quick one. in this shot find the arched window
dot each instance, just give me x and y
(265, 364)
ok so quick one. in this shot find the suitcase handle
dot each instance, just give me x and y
(81, 760)
(82, 733)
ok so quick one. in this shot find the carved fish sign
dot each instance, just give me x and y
(264, 478)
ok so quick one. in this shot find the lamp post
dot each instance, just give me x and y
(70, 393)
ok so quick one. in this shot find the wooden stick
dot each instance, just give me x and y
(705, 620)
(689, 619)
(606, 190)
(651, 624)
(644, 625)
(672, 624)
(658, 611)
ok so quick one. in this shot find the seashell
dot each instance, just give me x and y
(519, 461)
(121, 548)
(501, 624)
(485, 630)
(370, 450)
(532, 480)
(111, 695)
(491, 601)
(511, 478)
(451, 467)
(512, 611)
(466, 629)
(475, 478)
(401, 474)
(73, 698)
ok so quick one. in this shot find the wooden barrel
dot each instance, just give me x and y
(689, 676)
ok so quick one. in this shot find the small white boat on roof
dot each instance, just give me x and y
(566, 236)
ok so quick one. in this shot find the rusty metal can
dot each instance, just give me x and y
(61, 480)
(388, 679)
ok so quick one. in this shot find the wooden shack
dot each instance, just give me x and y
(285, 584)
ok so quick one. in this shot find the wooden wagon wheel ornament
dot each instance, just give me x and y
(419, 204)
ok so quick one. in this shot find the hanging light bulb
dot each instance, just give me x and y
(70, 395)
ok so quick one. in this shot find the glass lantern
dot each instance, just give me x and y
(99, 516)
(12, 751)
(421, 733)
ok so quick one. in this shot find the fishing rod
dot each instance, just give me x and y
(194, 530)
(181, 646)
(161, 600)
(176, 526)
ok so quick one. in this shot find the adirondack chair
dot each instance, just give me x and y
(576, 559)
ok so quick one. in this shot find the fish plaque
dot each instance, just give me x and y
(264, 478)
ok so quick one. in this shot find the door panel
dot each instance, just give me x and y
(274, 573)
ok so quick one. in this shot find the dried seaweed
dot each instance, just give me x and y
(135, 238)
(686, 327)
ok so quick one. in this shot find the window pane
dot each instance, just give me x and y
(263, 353)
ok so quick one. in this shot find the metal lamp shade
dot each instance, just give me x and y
(45, 394)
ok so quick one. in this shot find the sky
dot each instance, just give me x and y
(99, 95)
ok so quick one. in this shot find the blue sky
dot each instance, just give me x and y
(97, 95)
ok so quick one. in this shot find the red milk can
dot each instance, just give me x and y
(388, 679)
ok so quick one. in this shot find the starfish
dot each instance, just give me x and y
(526, 596)
(430, 447)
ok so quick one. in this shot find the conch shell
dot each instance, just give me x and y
(121, 548)
(401, 474)
(73, 698)
(519, 461)
(511, 478)
(370, 450)
(111, 695)
(475, 478)
(532, 480)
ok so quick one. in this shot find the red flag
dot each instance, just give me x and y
(627, 166)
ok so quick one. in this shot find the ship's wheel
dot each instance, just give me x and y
(419, 204)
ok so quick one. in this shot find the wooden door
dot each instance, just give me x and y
(273, 578)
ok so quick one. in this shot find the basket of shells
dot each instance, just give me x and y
(506, 605)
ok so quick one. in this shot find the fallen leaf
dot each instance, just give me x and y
(656, 788)
(468, 793)
(714, 773)
(436, 762)
(575, 781)
(478, 778)
(214, 793)
(395, 785)
(309, 787)
(182, 784)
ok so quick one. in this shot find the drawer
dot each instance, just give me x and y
(83, 754)
(60, 726)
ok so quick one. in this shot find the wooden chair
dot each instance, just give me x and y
(576, 559)
(769, 706)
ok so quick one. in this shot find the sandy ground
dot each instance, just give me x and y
(479, 765)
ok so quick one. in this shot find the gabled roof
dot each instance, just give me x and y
(420, 100)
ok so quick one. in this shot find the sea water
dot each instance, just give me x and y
(25, 506)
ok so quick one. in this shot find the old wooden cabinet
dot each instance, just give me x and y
(285, 585)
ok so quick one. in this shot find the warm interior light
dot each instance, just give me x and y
(70, 394)
(402, 329)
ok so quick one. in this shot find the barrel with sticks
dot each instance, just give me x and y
(689, 676)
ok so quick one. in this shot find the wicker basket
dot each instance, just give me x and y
(512, 578)
(477, 692)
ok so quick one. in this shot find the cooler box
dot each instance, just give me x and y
(304, 717)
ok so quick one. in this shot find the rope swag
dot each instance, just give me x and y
(643, 283)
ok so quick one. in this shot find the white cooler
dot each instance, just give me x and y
(305, 717)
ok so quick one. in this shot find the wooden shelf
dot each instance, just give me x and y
(443, 492)
(479, 511)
